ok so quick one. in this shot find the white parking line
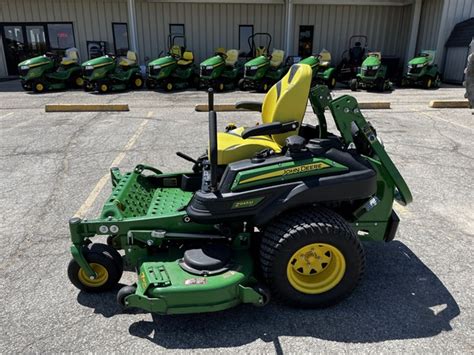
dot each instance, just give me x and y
(81, 212)
(442, 119)
(6, 115)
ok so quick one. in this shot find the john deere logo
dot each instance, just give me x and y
(246, 203)
(304, 168)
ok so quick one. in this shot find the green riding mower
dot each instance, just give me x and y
(51, 72)
(108, 73)
(275, 210)
(323, 73)
(373, 74)
(175, 70)
(264, 70)
(422, 71)
(222, 71)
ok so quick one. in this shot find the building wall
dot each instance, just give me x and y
(92, 20)
(207, 26)
(387, 27)
(430, 22)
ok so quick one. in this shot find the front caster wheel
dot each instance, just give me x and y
(123, 293)
(264, 291)
(107, 270)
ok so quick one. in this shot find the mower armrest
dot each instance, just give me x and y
(249, 105)
(269, 128)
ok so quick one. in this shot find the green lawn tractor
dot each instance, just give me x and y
(175, 70)
(323, 73)
(274, 210)
(51, 72)
(373, 74)
(422, 71)
(222, 71)
(261, 72)
(108, 73)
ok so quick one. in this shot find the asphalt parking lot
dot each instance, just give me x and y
(417, 294)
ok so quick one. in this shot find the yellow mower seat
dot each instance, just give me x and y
(71, 56)
(232, 57)
(285, 102)
(325, 58)
(187, 58)
(277, 58)
(130, 59)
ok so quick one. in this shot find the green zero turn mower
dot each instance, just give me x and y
(175, 70)
(323, 73)
(422, 71)
(373, 74)
(51, 72)
(108, 73)
(278, 209)
(222, 71)
(352, 59)
(264, 70)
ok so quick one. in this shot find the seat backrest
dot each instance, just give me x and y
(188, 55)
(220, 50)
(277, 58)
(175, 50)
(232, 57)
(72, 53)
(325, 57)
(131, 55)
(286, 101)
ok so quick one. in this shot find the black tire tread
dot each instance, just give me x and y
(317, 221)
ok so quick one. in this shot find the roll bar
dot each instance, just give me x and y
(251, 41)
(212, 140)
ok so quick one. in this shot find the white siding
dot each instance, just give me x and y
(207, 26)
(92, 20)
(387, 27)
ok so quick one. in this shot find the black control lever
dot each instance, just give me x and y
(186, 157)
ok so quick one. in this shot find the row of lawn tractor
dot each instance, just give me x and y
(225, 70)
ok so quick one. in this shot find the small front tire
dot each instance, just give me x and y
(108, 274)
(123, 293)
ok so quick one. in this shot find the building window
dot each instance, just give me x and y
(61, 35)
(120, 32)
(305, 41)
(245, 31)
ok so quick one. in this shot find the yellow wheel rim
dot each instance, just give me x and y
(333, 82)
(169, 86)
(101, 279)
(221, 86)
(428, 84)
(138, 82)
(104, 88)
(316, 268)
(39, 87)
(79, 81)
(265, 87)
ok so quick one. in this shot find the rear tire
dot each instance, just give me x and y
(331, 257)
(428, 82)
(137, 82)
(39, 86)
(331, 82)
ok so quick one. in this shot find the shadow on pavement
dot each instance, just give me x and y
(399, 298)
